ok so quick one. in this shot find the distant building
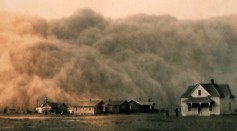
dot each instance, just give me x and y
(52, 108)
(38, 110)
(118, 106)
(137, 106)
(71, 110)
(88, 107)
(10, 110)
(207, 99)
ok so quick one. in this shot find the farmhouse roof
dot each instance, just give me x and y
(88, 103)
(143, 103)
(114, 102)
(198, 99)
(215, 90)
(54, 104)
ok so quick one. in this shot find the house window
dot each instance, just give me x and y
(76, 108)
(89, 109)
(83, 108)
(199, 93)
(189, 107)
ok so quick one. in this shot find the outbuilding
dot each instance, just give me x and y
(141, 106)
(88, 107)
(52, 108)
(116, 106)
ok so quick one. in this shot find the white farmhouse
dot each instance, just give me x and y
(207, 99)
(88, 107)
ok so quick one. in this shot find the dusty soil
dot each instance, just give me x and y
(137, 122)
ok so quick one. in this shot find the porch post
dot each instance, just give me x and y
(209, 104)
(192, 107)
(200, 105)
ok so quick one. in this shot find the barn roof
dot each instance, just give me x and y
(215, 90)
(88, 103)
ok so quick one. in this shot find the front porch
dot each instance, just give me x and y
(202, 106)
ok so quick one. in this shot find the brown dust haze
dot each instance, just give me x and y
(88, 56)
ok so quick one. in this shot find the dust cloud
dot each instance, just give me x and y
(88, 56)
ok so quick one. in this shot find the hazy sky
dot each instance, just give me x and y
(187, 9)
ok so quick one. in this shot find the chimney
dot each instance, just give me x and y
(149, 99)
(212, 81)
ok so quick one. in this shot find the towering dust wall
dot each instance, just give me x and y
(88, 56)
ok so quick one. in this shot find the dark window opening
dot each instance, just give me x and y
(199, 93)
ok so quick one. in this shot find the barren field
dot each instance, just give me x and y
(137, 122)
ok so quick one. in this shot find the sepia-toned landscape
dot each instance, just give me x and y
(118, 65)
(138, 122)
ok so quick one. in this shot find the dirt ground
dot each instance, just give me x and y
(132, 122)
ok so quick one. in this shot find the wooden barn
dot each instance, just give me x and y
(140, 106)
(88, 107)
(207, 99)
(116, 106)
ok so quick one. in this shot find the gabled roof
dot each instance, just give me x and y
(114, 103)
(53, 104)
(225, 88)
(88, 103)
(188, 92)
(211, 89)
(215, 90)
(143, 103)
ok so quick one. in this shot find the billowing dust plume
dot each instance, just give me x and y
(89, 56)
